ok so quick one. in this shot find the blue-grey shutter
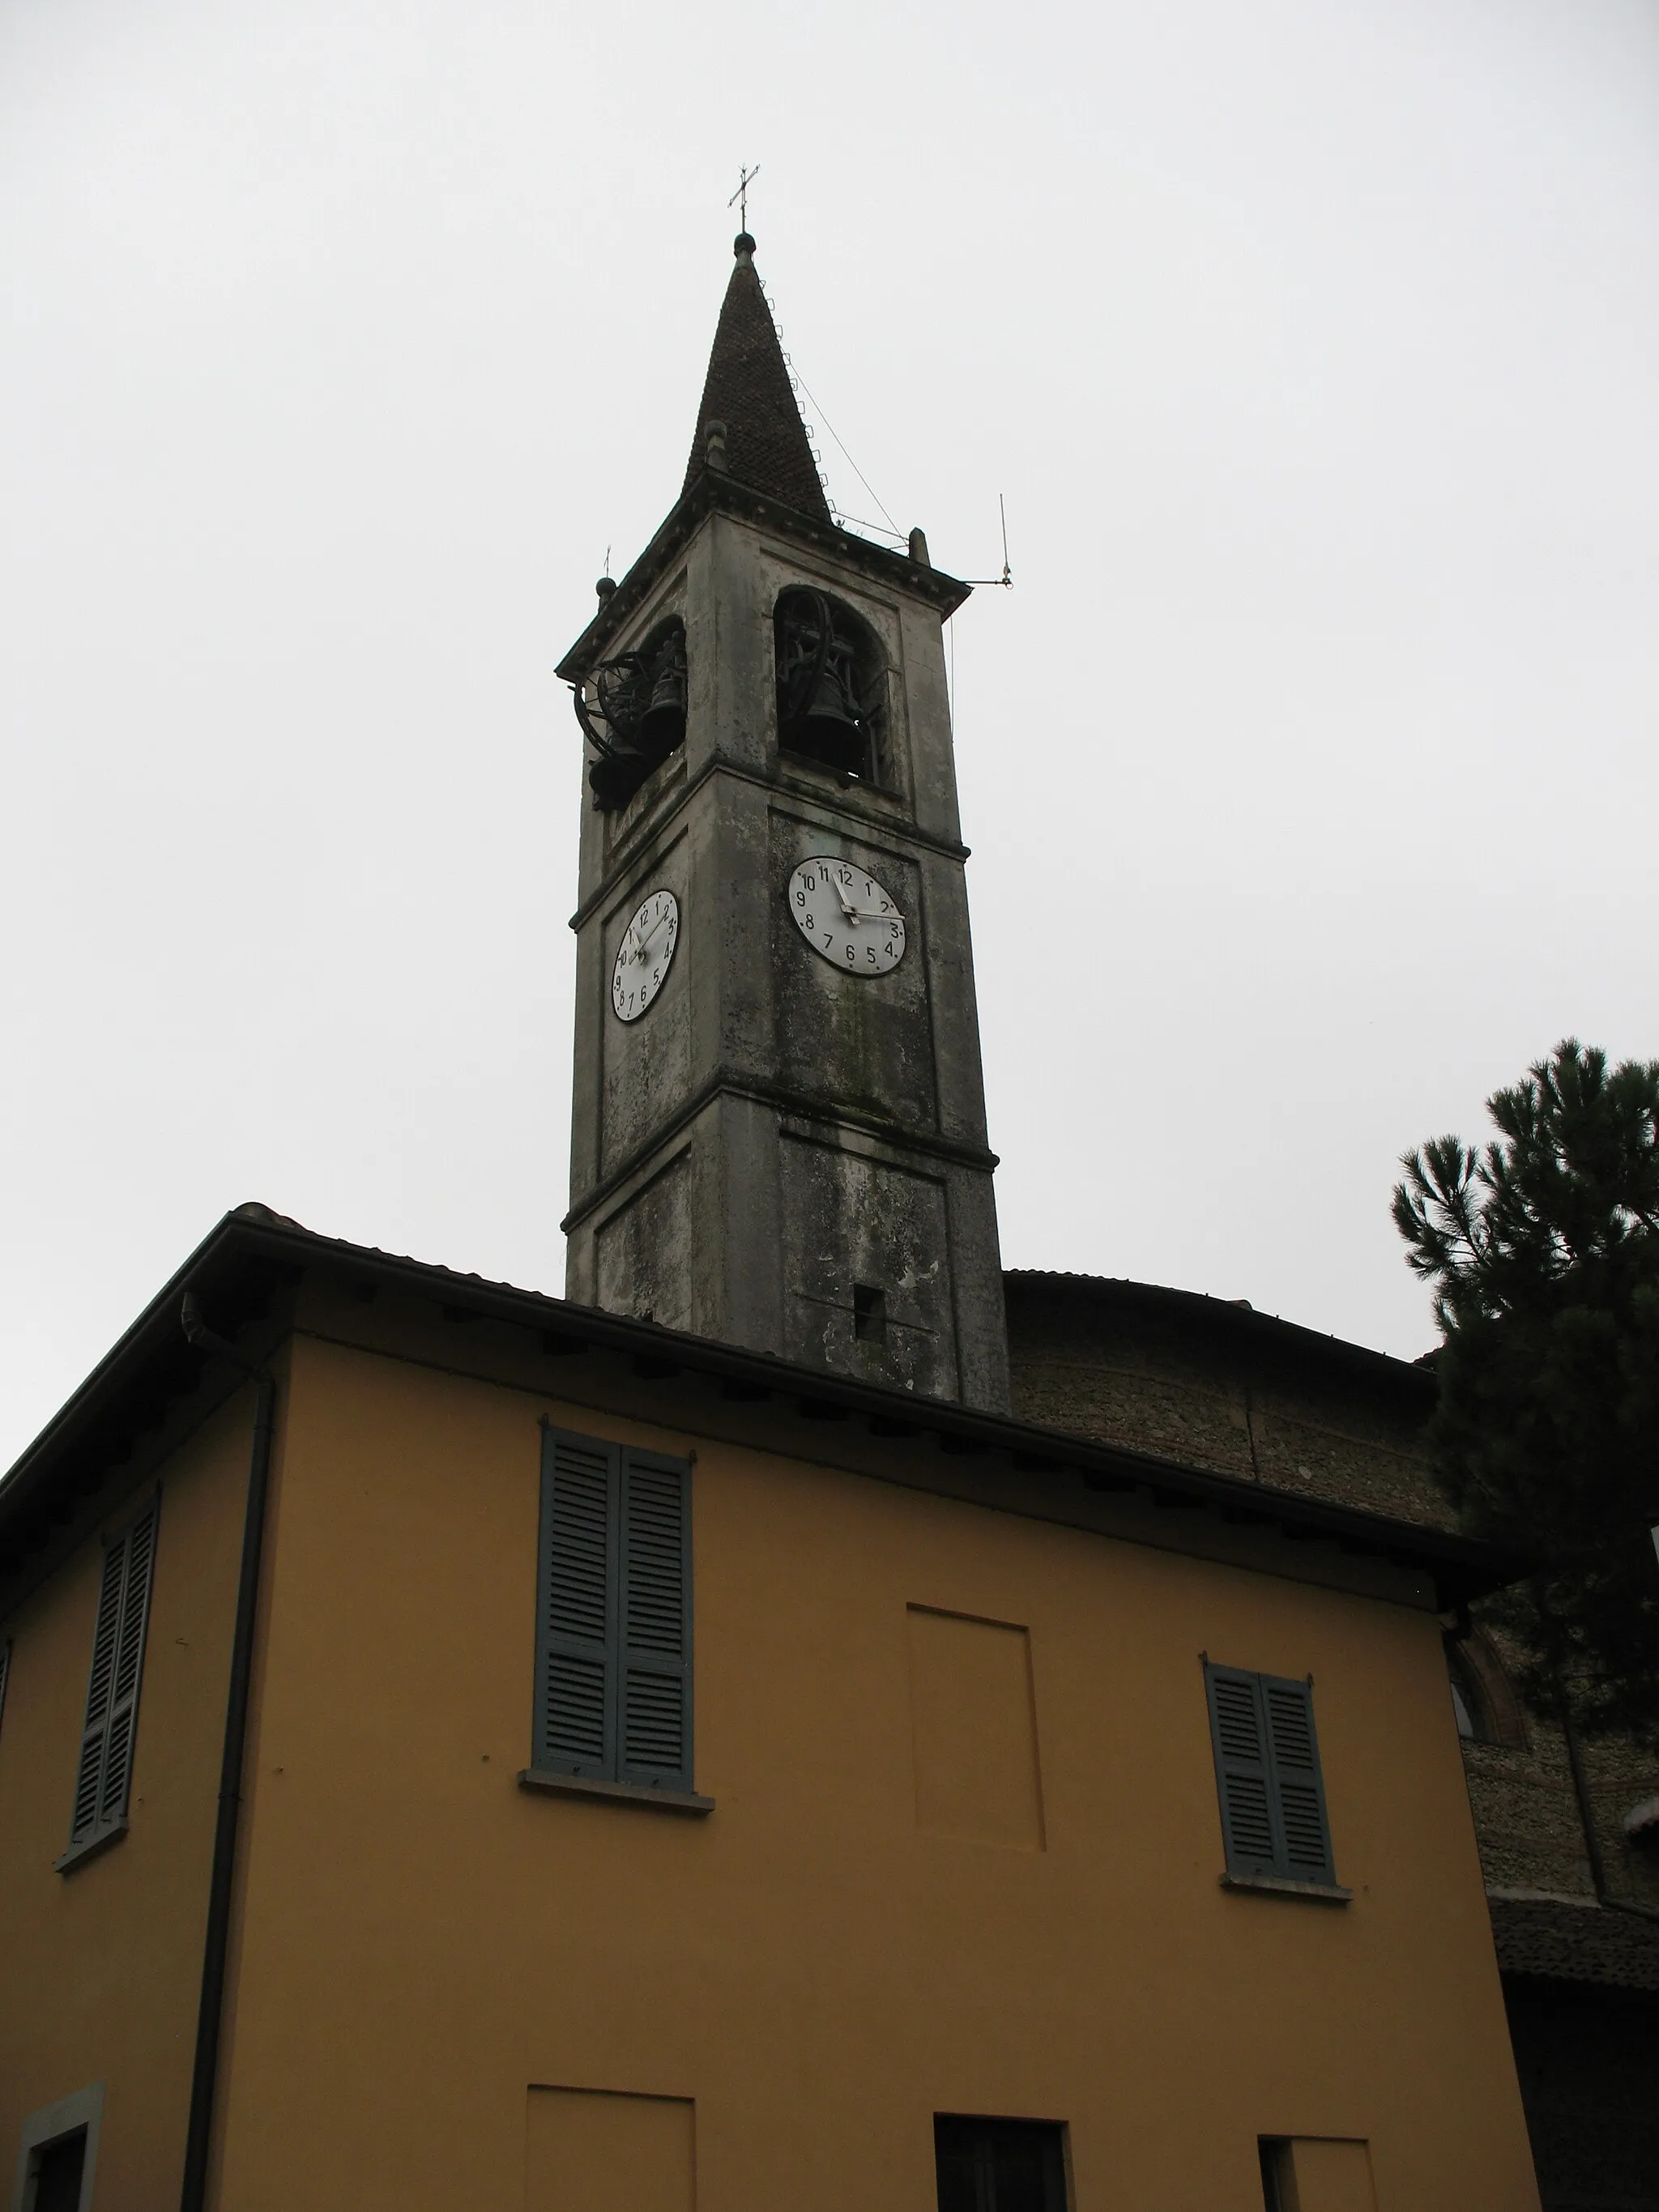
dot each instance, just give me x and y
(655, 1719)
(103, 1776)
(1298, 1785)
(1242, 1774)
(575, 1730)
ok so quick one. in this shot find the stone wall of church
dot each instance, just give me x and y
(1216, 1386)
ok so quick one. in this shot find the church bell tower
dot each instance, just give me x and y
(778, 1134)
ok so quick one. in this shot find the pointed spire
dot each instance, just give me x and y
(762, 441)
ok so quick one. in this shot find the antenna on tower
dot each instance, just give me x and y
(1006, 578)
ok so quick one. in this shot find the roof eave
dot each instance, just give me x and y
(715, 492)
(258, 1252)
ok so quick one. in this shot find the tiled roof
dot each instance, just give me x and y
(748, 389)
(1233, 1317)
(1561, 1943)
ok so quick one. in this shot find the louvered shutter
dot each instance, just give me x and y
(103, 1776)
(1243, 1773)
(1298, 1785)
(655, 1717)
(576, 1658)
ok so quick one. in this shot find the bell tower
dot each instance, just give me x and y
(778, 1135)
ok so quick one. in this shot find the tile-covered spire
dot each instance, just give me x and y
(748, 390)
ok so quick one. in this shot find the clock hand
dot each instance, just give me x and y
(847, 905)
(660, 922)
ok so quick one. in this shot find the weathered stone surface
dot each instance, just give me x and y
(776, 1141)
(1221, 1387)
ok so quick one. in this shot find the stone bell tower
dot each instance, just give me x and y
(778, 1135)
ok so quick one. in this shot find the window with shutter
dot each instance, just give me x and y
(1273, 1817)
(103, 1777)
(613, 1678)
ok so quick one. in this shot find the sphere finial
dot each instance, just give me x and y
(743, 244)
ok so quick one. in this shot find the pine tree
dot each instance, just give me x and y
(1543, 1250)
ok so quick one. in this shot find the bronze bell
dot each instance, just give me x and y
(641, 699)
(622, 687)
(817, 695)
(662, 724)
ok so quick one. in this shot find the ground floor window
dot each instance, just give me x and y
(57, 2154)
(999, 2165)
(56, 2172)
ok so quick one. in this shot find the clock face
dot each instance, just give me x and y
(644, 956)
(846, 916)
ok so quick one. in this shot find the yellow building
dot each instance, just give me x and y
(916, 1816)
(689, 1745)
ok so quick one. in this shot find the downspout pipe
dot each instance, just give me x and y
(210, 2016)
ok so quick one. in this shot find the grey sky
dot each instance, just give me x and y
(1310, 768)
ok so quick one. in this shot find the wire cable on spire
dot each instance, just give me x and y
(836, 436)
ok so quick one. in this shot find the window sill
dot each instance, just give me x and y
(624, 1793)
(1273, 1885)
(90, 1847)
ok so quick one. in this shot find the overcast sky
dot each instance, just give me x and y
(1309, 766)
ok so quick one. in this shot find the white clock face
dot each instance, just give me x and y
(846, 916)
(644, 958)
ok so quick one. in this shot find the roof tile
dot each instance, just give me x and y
(748, 389)
(1562, 1942)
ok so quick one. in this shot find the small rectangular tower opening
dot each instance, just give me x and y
(869, 1313)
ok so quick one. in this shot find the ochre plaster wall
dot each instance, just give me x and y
(100, 1967)
(421, 1943)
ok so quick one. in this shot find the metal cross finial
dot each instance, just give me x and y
(740, 198)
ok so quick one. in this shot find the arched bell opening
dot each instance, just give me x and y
(1483, 1698)
(632, 710)
(831, 683)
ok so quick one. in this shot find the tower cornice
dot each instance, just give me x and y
(713, 492)
(803, 1108)
(845, 804)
